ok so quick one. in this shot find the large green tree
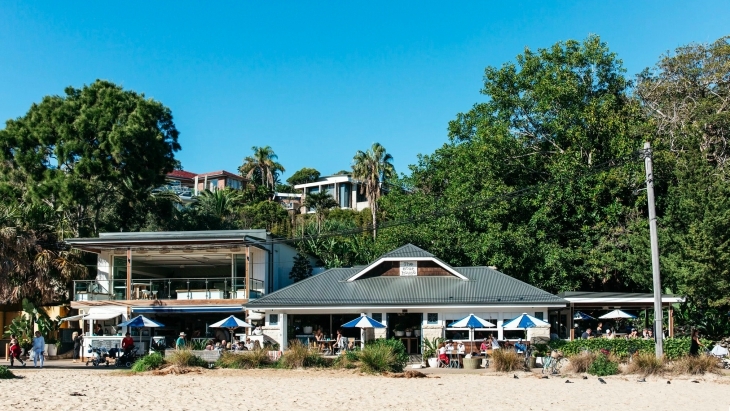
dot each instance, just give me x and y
(91, 153)
(303, 176)
(374, 168)
(321, 203)
(532, 179)
(262, 166)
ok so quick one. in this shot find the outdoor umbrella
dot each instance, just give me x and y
(581, 316)
(525, 321)
(362, 323)
(232, 322)
(617, 314)
(141, 321)
(471, 322)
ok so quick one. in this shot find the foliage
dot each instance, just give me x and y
(696, 365)
(430, 347)
(374, 168)
(267, 214)
(350, 360)
(49, 328)
(603, 365)
(149, 362)
(302, 269)
(90, 155)
(196, 345)
(262, 165)
(299, 356)
(646, 363)
(6, 374)
(394, 346)
(619, 347)
(581, 362)
(679, 347)
(222, 203)
(378, 358)
(321, 203)
(303, 176)
(184, 358)
(22, 327)
(338, 250)
(244, 360)
(505, 360)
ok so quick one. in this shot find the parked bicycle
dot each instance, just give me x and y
(554, 362)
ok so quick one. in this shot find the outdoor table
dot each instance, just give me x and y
(327, 345)
(454, 358)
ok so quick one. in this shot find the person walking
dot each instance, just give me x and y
(695, 344)
(15, 351)
(39, 344)
(78, 340)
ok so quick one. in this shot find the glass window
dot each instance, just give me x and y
(273, 319)
(345, 195)
(538, 315)
(213, 184)
(432, 318)
(378, 317)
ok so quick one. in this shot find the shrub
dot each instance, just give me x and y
(5, 373)
(675, 348)
(347, 361)
(646, 364)
(506, 360)
(398, 349)
(185, 358)
(603, 365)
(580, 363)
(244, 360)
(149, 362)
(298, 355)
(696, 365)
(378, 358)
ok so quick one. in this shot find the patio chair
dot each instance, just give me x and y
(341, 346)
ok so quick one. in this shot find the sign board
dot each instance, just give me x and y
(408, 268)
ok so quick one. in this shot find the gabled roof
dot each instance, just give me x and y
(221, 173)
(405, 253)
(181, 174)
(408, 251)
(484, 286)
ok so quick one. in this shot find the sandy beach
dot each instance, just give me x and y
(79, 388)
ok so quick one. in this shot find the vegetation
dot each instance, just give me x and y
(298, 356)
(184, 358)
(505, 360)
(603, 365)
(150, 362)
(696, 365)
(321, 203)
(6, 374)
(244, 360)
(262, 166)
(303, 176)
(646, 364)
(384, 355)
(581, 362)
(374, 168)
(301, 269)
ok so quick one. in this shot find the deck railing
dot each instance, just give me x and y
(168, 289)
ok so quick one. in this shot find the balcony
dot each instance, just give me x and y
(224, 288)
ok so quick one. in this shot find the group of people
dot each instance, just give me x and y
(222, 344)
(646, 333)
(37, 350)
(341, 342)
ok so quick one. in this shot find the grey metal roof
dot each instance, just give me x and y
(610, 295)
(485, 286)
(407, 251)
(168, 238)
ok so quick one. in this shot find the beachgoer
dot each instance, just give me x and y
(460, 348)
(609, 334)
(39, 344)
(224, 345)
(256, 345)
(650, 334)
(599, 329)
(78, 341)
(127, 343)
(449, 345)
(15, 351)
(180, 342)
(695, 344)
(442, 353)
(495, 343)
(587, 334)
(249, 344)
(319, 337)
(339, 342)
(484, 346)
(209, 346)
(645, 334)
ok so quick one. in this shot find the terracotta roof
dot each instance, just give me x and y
(181, 174)
(221, 173)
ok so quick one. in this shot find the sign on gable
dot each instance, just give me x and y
(408, 268)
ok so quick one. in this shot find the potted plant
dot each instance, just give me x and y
(430, 349)
(399, 330)
(417, 332)
(409, 332)
(307, 329)
(49, 329)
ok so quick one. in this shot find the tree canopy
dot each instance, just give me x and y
(303, 176)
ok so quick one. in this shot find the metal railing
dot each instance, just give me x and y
(168, 289)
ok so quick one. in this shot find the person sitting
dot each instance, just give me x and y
(339, 342)
(319, 337)
(484, 346)
(495, 343)
(609, 334)
(634, 333)
(443, 358)
(587, 334)
(209, 346)
(224, 345)
(520, 346)
(127, 343)
(248, 345)
(460, 348)
(449, 345)
(256, 345)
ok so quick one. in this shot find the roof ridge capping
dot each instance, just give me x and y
(409, 251)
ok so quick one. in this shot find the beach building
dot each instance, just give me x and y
(185, 280)
(413, 292)
(342, 187)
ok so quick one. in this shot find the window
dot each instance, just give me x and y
(344, 195)
(273, 319)
(538, 315)
(378, 317)
(432, 318)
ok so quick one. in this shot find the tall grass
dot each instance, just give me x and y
(185, 358)
(298, 355)
(647, 364)
(378, 358)
(580, 363)
(149, 362)
(244, 360)
(696, 365)
(506, 360)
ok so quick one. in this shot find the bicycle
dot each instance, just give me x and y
(554, 362)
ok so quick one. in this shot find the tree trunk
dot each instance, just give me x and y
(375, 223)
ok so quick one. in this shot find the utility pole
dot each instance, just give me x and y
(658, 317)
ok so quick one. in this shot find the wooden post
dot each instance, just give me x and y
(671, 322)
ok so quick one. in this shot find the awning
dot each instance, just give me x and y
(189, 309)
(101, 316)
(73, 317)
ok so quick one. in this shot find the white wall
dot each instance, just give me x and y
(103, 269)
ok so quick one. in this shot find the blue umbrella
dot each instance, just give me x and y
(362, 323)
(525, 321)
(581, 316)
(232, 322)
(471, 322)
(141, 321)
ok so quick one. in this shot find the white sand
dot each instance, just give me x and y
(51, 389)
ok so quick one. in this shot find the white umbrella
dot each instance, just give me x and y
(616, 314)
(471, 322)
(232, 322)
(362, 323)
(525, 321)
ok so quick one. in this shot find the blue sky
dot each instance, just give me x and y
(316, 81)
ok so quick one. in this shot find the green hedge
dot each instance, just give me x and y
(673, 347)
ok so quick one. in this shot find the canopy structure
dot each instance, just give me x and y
(231, 323)
(471, 322)
(616, 314)
(525, 321)
(362, 323)
(73, 318)
(141, 321)
(581, 316)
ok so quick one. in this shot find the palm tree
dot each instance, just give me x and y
(263, 165)
(320, 202)
(221, 203)
(373, 168)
